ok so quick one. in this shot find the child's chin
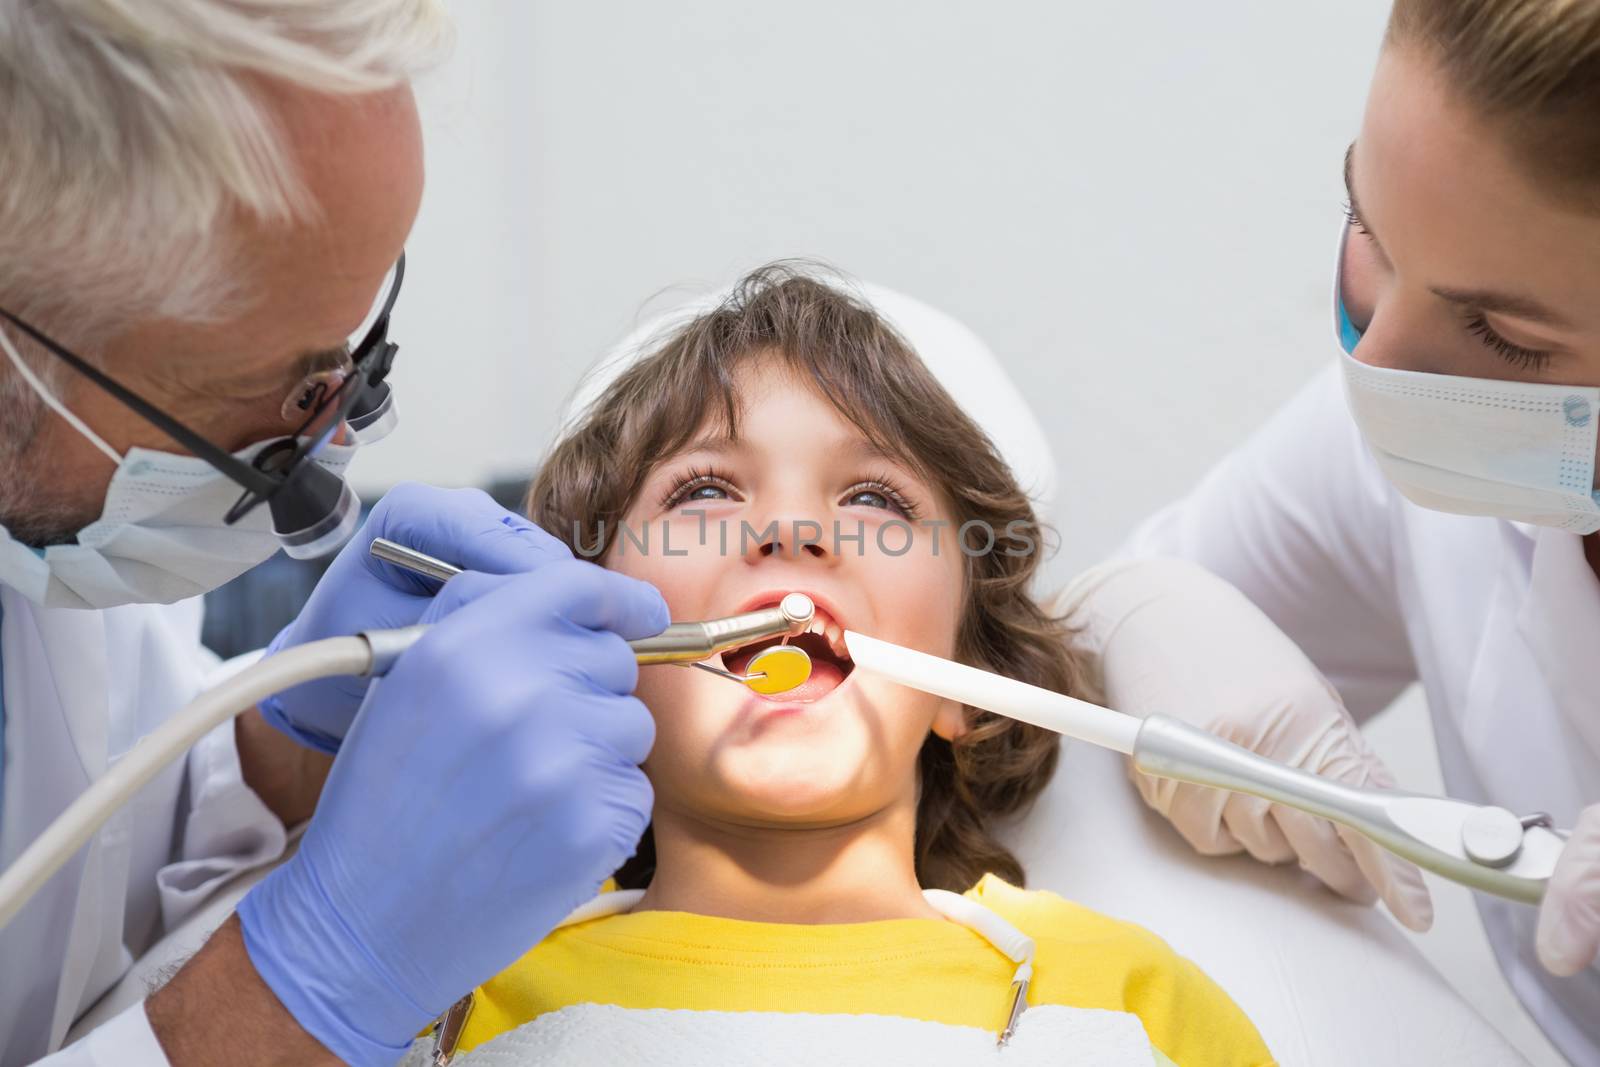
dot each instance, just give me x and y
(793, 800)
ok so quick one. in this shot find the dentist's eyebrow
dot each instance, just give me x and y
(253, 382)
(1521, 307)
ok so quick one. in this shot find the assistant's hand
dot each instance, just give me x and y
(1174, 638)
(361, 592)
(1569, 918)
(488, 785)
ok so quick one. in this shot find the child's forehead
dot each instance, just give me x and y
(777, 406)
(847, 446)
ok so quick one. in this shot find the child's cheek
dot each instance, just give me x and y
(922, 595)
(682, 579)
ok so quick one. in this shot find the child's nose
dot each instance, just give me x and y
(773, 548)
(791, 537)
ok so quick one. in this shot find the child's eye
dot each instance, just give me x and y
(868, 498)
(698, 486)
(879, 494)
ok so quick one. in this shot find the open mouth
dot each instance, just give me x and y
(823, 642)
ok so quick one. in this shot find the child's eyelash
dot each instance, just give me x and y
(694, 479)
(882, 483)
(1527, 358)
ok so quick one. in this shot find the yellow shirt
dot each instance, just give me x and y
(918, 968)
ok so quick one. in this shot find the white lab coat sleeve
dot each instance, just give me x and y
(224, 828)
(1302, 521)
(125, 1040)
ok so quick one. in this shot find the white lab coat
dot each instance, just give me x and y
(1500, 621)
(81, 687)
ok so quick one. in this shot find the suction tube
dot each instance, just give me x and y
(364, 655)
(1004, 696)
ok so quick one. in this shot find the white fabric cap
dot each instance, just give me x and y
(958, 358)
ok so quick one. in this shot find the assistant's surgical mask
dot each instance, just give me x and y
(1476, 446)
(161, 535)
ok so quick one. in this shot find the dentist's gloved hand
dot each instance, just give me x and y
(1174, 638)
(1569, 918)
(360, 592)
(489, 784)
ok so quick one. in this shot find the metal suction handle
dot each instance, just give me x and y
(1466, 843)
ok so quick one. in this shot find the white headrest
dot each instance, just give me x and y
(958, 358)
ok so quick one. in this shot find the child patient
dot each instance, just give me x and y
(789, 440)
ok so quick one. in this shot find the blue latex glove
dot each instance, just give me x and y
(359, 592)
(487, 787)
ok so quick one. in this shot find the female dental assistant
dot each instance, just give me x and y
(1425, 509)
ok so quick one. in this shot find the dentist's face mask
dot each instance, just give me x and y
(1476, 446)
(160, 537)
(176, 526)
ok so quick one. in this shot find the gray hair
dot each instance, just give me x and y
(129, 129)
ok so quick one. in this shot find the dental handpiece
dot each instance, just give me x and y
(681, 642)
(686, 642)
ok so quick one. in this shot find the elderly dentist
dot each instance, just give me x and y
(1426, 509)
(201, 205)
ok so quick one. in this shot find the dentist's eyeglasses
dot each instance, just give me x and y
(313, 510)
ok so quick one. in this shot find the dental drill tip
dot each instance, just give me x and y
(798, 609)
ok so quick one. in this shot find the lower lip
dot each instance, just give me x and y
(825, 677)
(825, 680)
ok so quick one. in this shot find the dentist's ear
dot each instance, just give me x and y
(950, 721)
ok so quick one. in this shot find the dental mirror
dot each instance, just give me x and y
(774, 670)
(778, 669)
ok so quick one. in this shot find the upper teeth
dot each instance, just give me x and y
(824, 625)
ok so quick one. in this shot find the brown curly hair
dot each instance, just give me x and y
(875, 380)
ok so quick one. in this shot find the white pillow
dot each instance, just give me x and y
(958, 358)
(1328, 983)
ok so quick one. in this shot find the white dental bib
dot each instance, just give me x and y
(604, 1033)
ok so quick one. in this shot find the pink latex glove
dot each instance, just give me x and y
(1569, 918)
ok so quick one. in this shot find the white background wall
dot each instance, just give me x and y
(1135, 203)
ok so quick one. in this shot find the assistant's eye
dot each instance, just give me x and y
(699, 486)
(1354, 219)
(1531, 359)
(879, 493)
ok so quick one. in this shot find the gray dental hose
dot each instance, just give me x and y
(365, 655)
